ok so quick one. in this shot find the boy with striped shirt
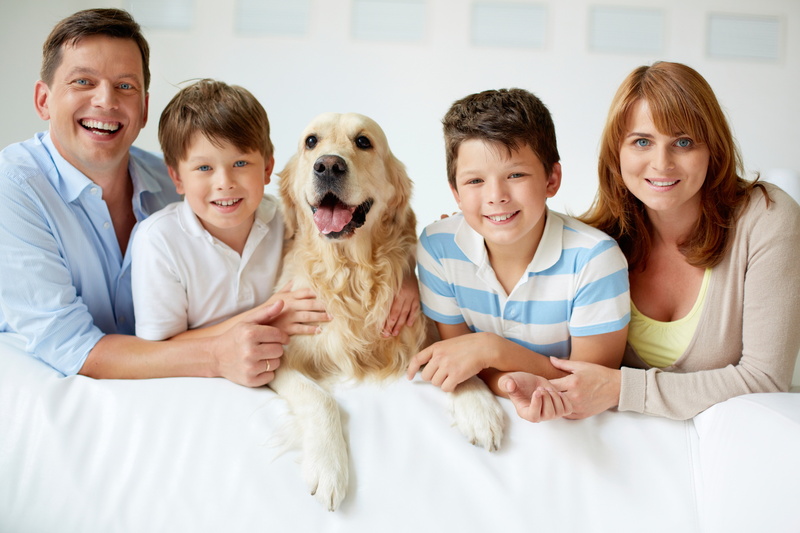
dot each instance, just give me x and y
(508, 282)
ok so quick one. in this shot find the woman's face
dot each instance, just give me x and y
(664, 171)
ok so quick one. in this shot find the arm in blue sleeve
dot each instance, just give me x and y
(38, 298)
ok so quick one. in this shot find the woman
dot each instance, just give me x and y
(714, 261)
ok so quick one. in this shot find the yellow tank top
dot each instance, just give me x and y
(660, 344)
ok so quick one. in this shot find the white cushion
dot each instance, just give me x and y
(749, 449)
(191, 454)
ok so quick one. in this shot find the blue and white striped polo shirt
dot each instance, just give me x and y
(576, 284)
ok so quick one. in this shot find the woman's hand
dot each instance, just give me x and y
(590, 388)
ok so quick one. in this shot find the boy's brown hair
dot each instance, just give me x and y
(221, 112)
(508, 117)
(109, 22)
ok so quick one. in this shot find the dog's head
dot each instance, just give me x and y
(343, 178)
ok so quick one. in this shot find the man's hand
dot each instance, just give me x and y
(249, 352)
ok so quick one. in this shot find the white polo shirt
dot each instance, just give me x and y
(184, 278)
(576, 284)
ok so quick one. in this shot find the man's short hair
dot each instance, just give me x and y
(109, 22)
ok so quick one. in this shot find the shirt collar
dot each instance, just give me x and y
(471, 243)
(551, 245)
(69, 181)
(189, 222)
(144, 182)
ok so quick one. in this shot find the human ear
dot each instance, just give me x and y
(146, 109)
(554, 180)
(457, 198)
(41, 92)
(268, 170)
(176, 179)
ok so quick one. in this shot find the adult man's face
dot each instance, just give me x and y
(96, 104)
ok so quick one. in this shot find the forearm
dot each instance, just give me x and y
(223, 327)
(209, 331)
(681, 396)
(129, 357)
(508, 356)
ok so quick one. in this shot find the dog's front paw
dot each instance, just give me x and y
(478, 414)
(326, 472)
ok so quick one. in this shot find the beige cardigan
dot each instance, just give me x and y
(748, 336)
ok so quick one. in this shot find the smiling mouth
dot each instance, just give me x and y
(226, 203)
(501, 218)
(101, 128)
(658, 183)
(337, 220)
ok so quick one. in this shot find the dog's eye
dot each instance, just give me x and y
(311, 141)
(363, 143)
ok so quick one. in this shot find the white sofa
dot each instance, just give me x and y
(195, 455)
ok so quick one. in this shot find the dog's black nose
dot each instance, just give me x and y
(330, 168)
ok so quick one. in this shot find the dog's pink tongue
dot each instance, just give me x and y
(331, 219)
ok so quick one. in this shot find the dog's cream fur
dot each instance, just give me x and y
(356, 270)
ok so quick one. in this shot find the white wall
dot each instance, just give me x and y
(408, 87)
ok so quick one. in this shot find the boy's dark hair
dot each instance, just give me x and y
(221, 112)
(109, 22)
(509, 117)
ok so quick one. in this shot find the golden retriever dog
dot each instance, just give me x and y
(352, 240)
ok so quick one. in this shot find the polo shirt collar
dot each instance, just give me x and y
(189, 222)
(551, 245)
(191, 225)
(471, 244)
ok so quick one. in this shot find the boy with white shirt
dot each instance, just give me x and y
(213, 258)
(508, 282)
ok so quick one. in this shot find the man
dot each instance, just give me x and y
(70, 201)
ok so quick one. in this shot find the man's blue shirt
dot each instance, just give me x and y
(65, 282)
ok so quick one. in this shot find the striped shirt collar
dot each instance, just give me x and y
(471, 244)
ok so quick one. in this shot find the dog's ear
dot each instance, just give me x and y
(398, 176)
(287, 177)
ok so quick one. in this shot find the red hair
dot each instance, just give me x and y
(680, 99)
